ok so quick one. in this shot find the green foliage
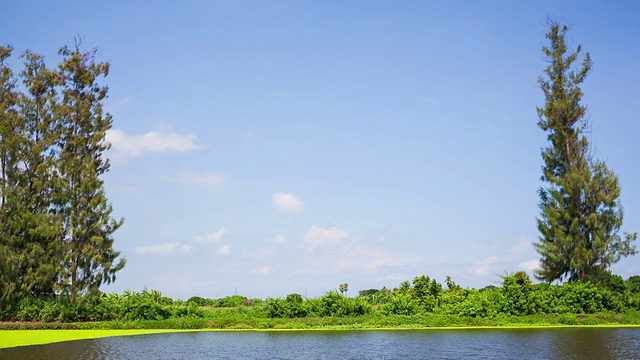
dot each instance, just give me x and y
(90, 259)
(451, 285)
(166, 300)
(580, 213)
(380, 297)
(633, 284)
(55, 221)
(575, 298)
(367, 292)
(426, 292)
(517, 291)
(200, 301)
(335, 304)
(231, 301)
(291, 307)
(472, 303)
(401, 304)
(607, 280)
(343, 288)
(29, 226)
(144, 305)
(404, 288)
(516, 301)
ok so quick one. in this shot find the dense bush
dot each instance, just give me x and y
(401, 304)
(231, 301)
(380, 297)
(335, 304)
(516, 296)
(200, 301)
(291, 307)
(517, 290)
(144, 305)
(472, 303)
(426, 292)
(575, 298)
(331, 304)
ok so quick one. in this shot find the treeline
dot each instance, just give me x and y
(129, 306)
(423, 296)
(516, 296)
(55, 221)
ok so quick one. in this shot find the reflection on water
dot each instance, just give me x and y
(519, 344)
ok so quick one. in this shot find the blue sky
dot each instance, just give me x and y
(272, 147)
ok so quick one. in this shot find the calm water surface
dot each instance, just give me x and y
(406, 344)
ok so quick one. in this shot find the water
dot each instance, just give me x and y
(521, 344)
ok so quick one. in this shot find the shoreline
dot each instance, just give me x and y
(18, 338)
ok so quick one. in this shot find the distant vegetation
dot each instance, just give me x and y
(421, 302)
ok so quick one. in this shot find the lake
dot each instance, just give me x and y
(561, 343)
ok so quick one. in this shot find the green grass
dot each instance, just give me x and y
(13, 338)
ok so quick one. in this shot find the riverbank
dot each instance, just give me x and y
(238, 320)
(16, 338)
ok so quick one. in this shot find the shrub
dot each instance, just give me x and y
(426, 292)
(29, 309)
(142, 306)
(335, 304)
(165, 300)
(292, 307)
(517, 291)
(200, 301)
(380, 297)
(230, 301)
(401, 304)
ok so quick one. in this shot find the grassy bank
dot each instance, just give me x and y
(239, 320)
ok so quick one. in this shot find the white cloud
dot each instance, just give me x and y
(224, 250)
(205, 178)
(333, 251)
(168, 248)
(530, 265)
(519, 249)
(125, 146)
(265, 270)
(287, 203)
(318, 237)
(496, 264)
(278, 239)
(212, 237)
(485, 266)
(394, 277)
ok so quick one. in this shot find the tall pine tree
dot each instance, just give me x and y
(580, 208)
(56, 228)
(8, 148)
(89, 257)
(34, 224)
